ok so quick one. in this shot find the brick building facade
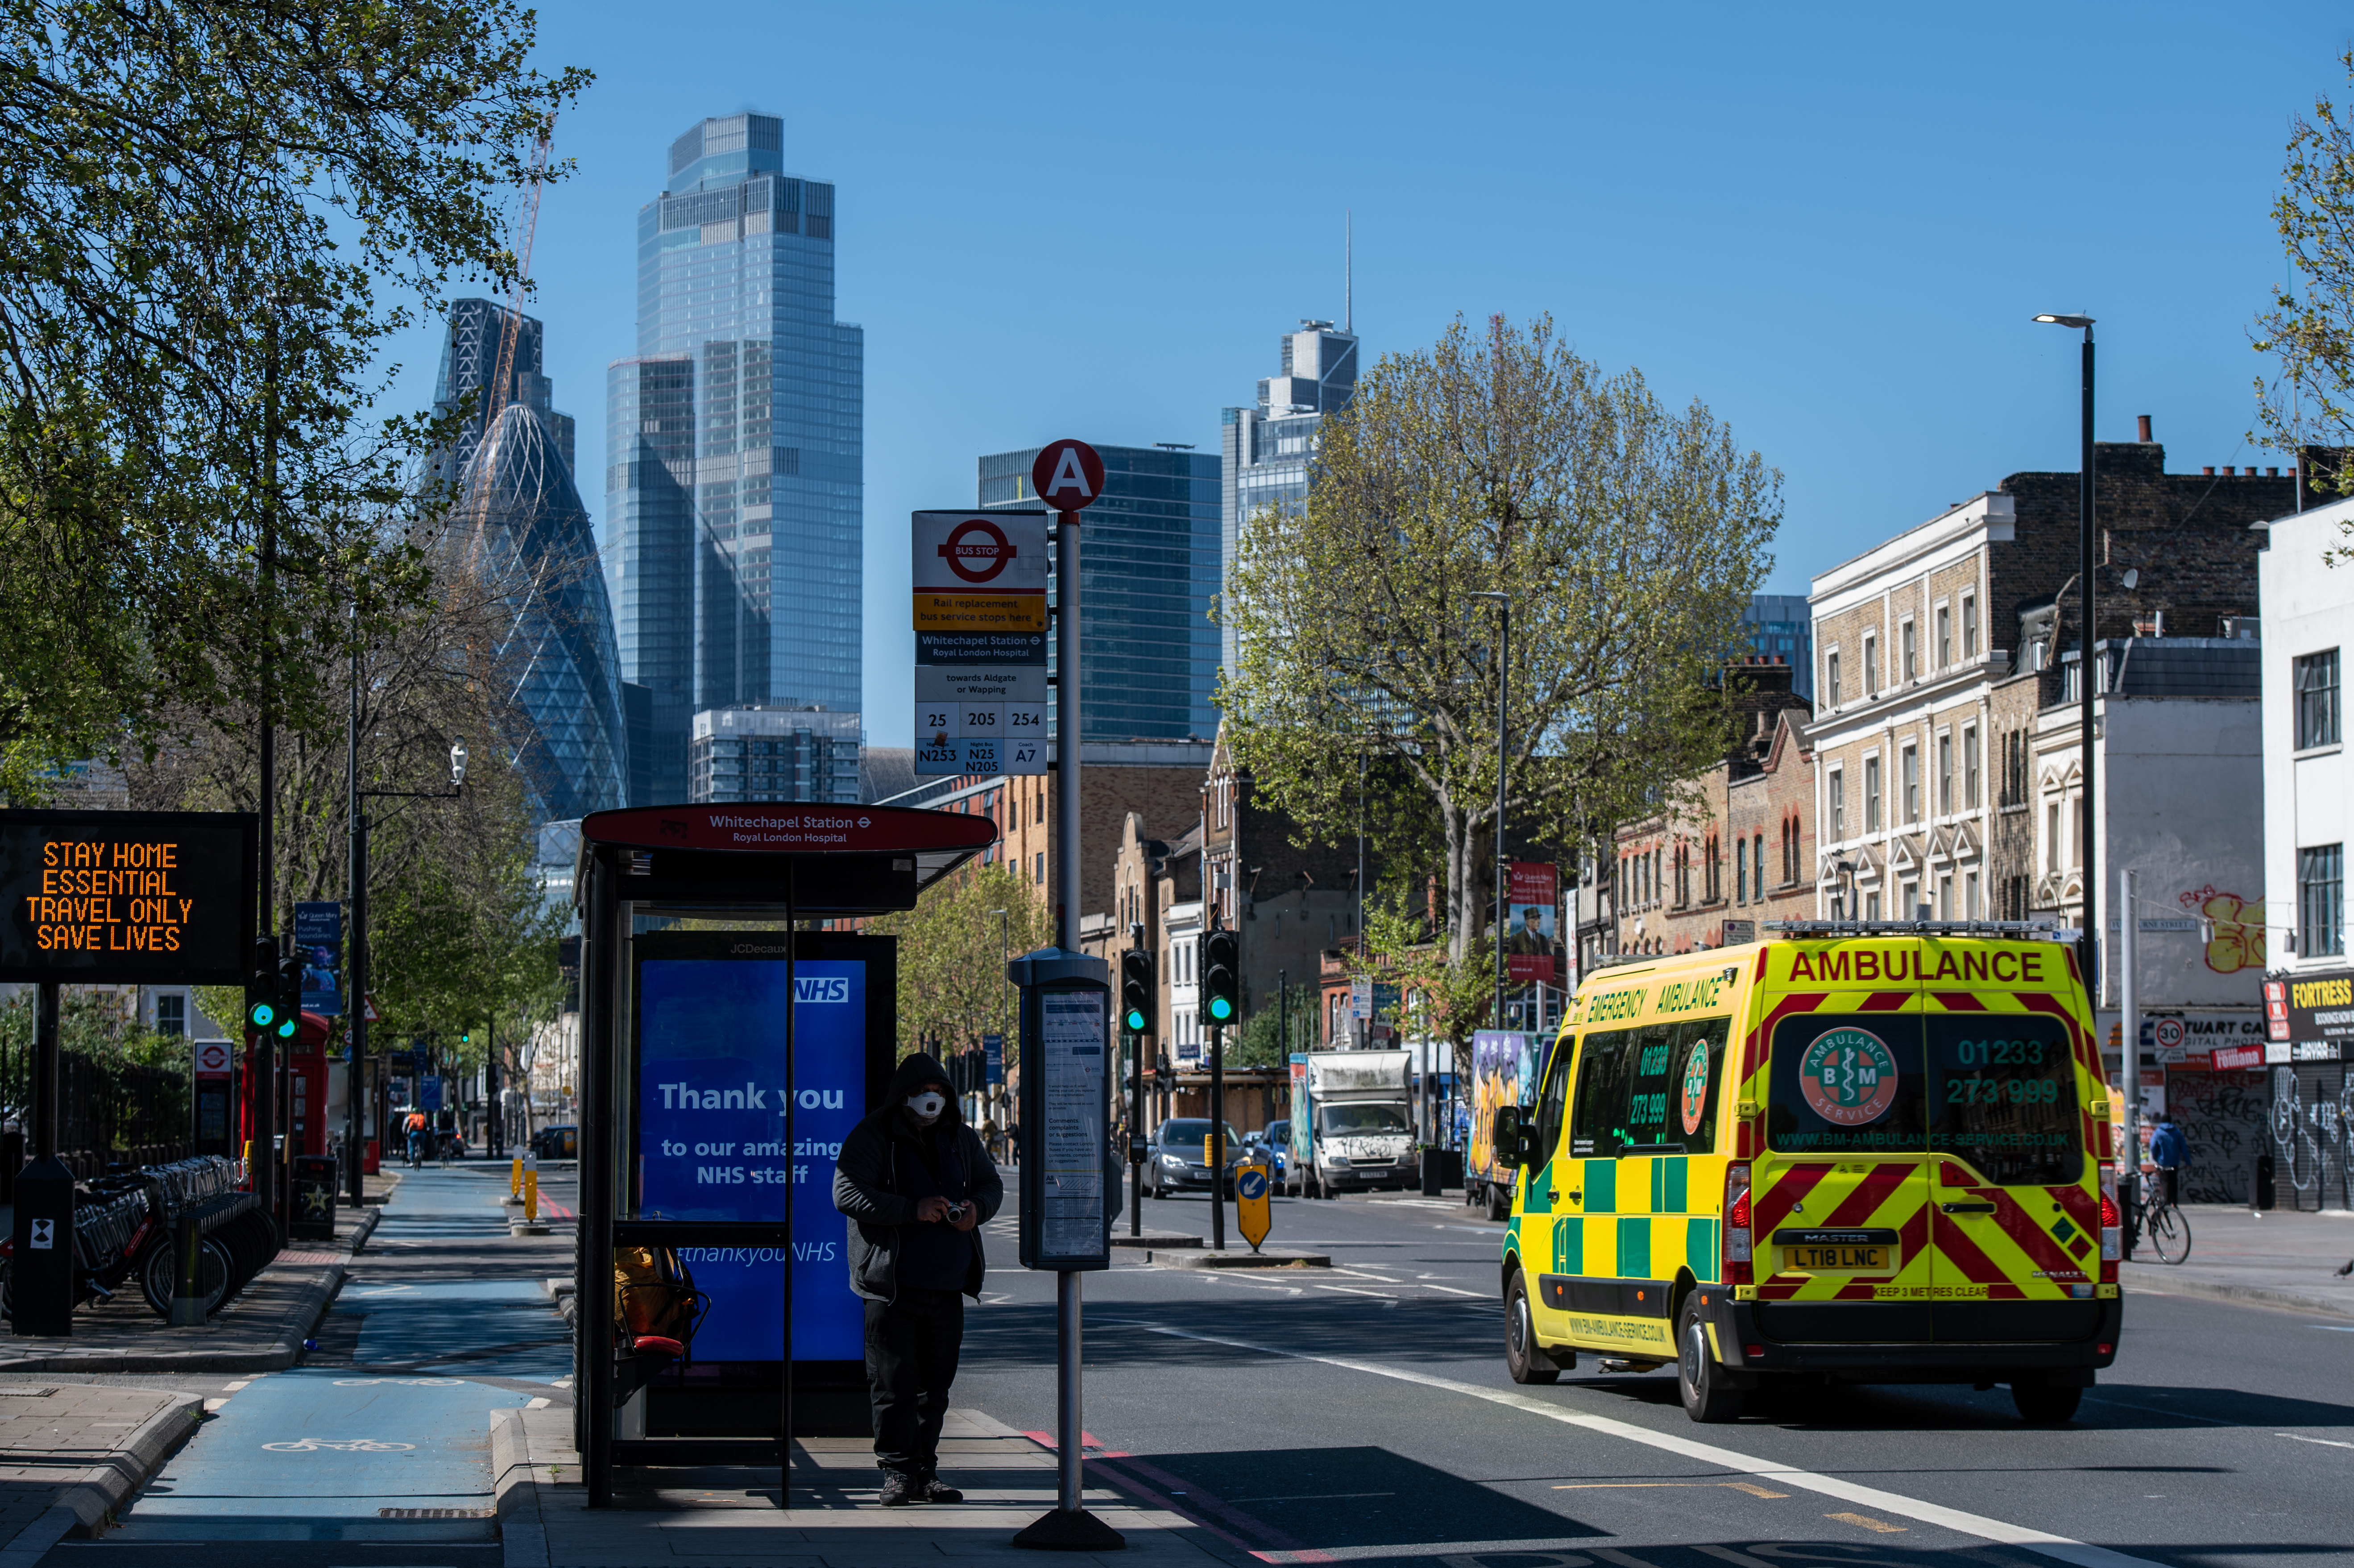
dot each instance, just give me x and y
(1936, 650)
(1744, 854)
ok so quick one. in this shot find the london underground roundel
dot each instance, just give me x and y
(1848, 1076)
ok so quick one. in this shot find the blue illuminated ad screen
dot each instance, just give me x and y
(708, 1141)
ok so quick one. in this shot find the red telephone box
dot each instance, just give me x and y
(306, 1090)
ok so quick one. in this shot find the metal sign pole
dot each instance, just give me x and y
(792, 1194)
(602, 939)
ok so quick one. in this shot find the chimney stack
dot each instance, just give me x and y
(2142, 420)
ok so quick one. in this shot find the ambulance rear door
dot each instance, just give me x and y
(2016, 1202)
(1841, 1193)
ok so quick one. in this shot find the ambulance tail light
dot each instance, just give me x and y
(2112, 1225)
(1738, 1268)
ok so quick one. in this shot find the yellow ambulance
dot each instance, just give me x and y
(1847, 1153)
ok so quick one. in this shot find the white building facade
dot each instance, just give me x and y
(2309, 821)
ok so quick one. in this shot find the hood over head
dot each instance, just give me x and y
(913, 1073)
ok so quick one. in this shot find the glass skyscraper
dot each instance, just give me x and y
(518, 516)
(735, 440)
(1266, 450)
(1148, 564)
(1781, 626)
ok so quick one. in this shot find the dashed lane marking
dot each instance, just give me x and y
(2061, 1548)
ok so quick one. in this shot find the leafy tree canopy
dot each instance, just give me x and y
(1628, 536)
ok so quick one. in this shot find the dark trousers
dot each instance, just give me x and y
(911, 1359)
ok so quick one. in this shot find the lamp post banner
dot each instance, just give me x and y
(1532, 938)
(319, 941)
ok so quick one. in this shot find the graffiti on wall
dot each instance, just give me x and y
(2223, 1117)
(2235, 929)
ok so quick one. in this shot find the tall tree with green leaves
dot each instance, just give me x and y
(2309, 326)
(213, 218)
(952, 951)
(1628, 536)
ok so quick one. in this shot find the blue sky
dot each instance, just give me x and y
(1095, 220)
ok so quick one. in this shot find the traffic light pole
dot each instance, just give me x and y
(1218, 1138)
(1136, 1135)
(262, 1175)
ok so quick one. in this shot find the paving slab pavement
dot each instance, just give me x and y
(731, 1515)
(2277, 1257)
(71, 1453)
(261, 1330)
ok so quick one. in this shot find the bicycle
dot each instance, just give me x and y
(2163, 1224)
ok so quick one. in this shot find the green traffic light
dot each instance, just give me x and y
(1135, 1021)
(262, 1015)
(288, 1026)
(1221, 1009)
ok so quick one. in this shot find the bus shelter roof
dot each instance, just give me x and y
(741, 844)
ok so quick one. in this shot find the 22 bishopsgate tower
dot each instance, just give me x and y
(732, 538)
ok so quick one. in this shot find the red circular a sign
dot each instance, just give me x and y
(1066, 475)
(977, 550)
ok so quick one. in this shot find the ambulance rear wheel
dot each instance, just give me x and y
(1707, 1394)
(1523, 1357)
(2043, 1405)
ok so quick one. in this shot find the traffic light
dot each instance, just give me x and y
(1136, 990)
(290, 999)
(261, 990)
(1222, 985)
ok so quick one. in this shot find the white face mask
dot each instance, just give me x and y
(928, 1105)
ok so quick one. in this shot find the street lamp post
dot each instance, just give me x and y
(2087, 943)
(1503, 602)
(360, 850)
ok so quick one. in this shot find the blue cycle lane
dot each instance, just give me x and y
(395, 1445)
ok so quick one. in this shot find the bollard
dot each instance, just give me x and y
(531, 1189)
(515, 1178)
(187, 1305)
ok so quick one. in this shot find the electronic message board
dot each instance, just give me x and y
(121, 897)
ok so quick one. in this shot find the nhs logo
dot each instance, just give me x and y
(820, 988)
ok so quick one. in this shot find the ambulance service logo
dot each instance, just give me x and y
(1695, 1101)
(1848, 1076)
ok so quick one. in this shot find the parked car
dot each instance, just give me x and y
(560, 1142)
(1273, 1145)
(1176, 1160)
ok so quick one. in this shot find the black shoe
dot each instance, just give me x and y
(931, 1488)
(896, 1490)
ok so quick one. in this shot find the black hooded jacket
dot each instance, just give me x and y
(869, 1190)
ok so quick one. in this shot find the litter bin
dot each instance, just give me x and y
(313, 1218)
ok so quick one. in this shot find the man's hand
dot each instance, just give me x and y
(930, 1209)
(968, 1216)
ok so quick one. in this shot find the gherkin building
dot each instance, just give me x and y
(518, 516)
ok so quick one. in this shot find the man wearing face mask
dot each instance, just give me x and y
(917, 1185)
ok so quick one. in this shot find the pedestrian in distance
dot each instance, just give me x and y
(915, 1186)
(2169, 1152)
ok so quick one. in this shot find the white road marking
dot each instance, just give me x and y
(2061, 1548)
(2324, 1442)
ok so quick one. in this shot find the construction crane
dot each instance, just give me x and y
(500, 387)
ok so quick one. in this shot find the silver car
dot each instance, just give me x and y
(1177, 1159)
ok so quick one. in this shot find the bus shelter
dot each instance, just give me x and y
(726, 1052)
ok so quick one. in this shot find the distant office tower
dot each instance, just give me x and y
(735, 439)
(1266, 450)
(518, 516)
(753, 753)
(1148, 563)
(1780, 626)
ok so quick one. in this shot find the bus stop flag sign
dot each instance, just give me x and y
(1067, 475)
